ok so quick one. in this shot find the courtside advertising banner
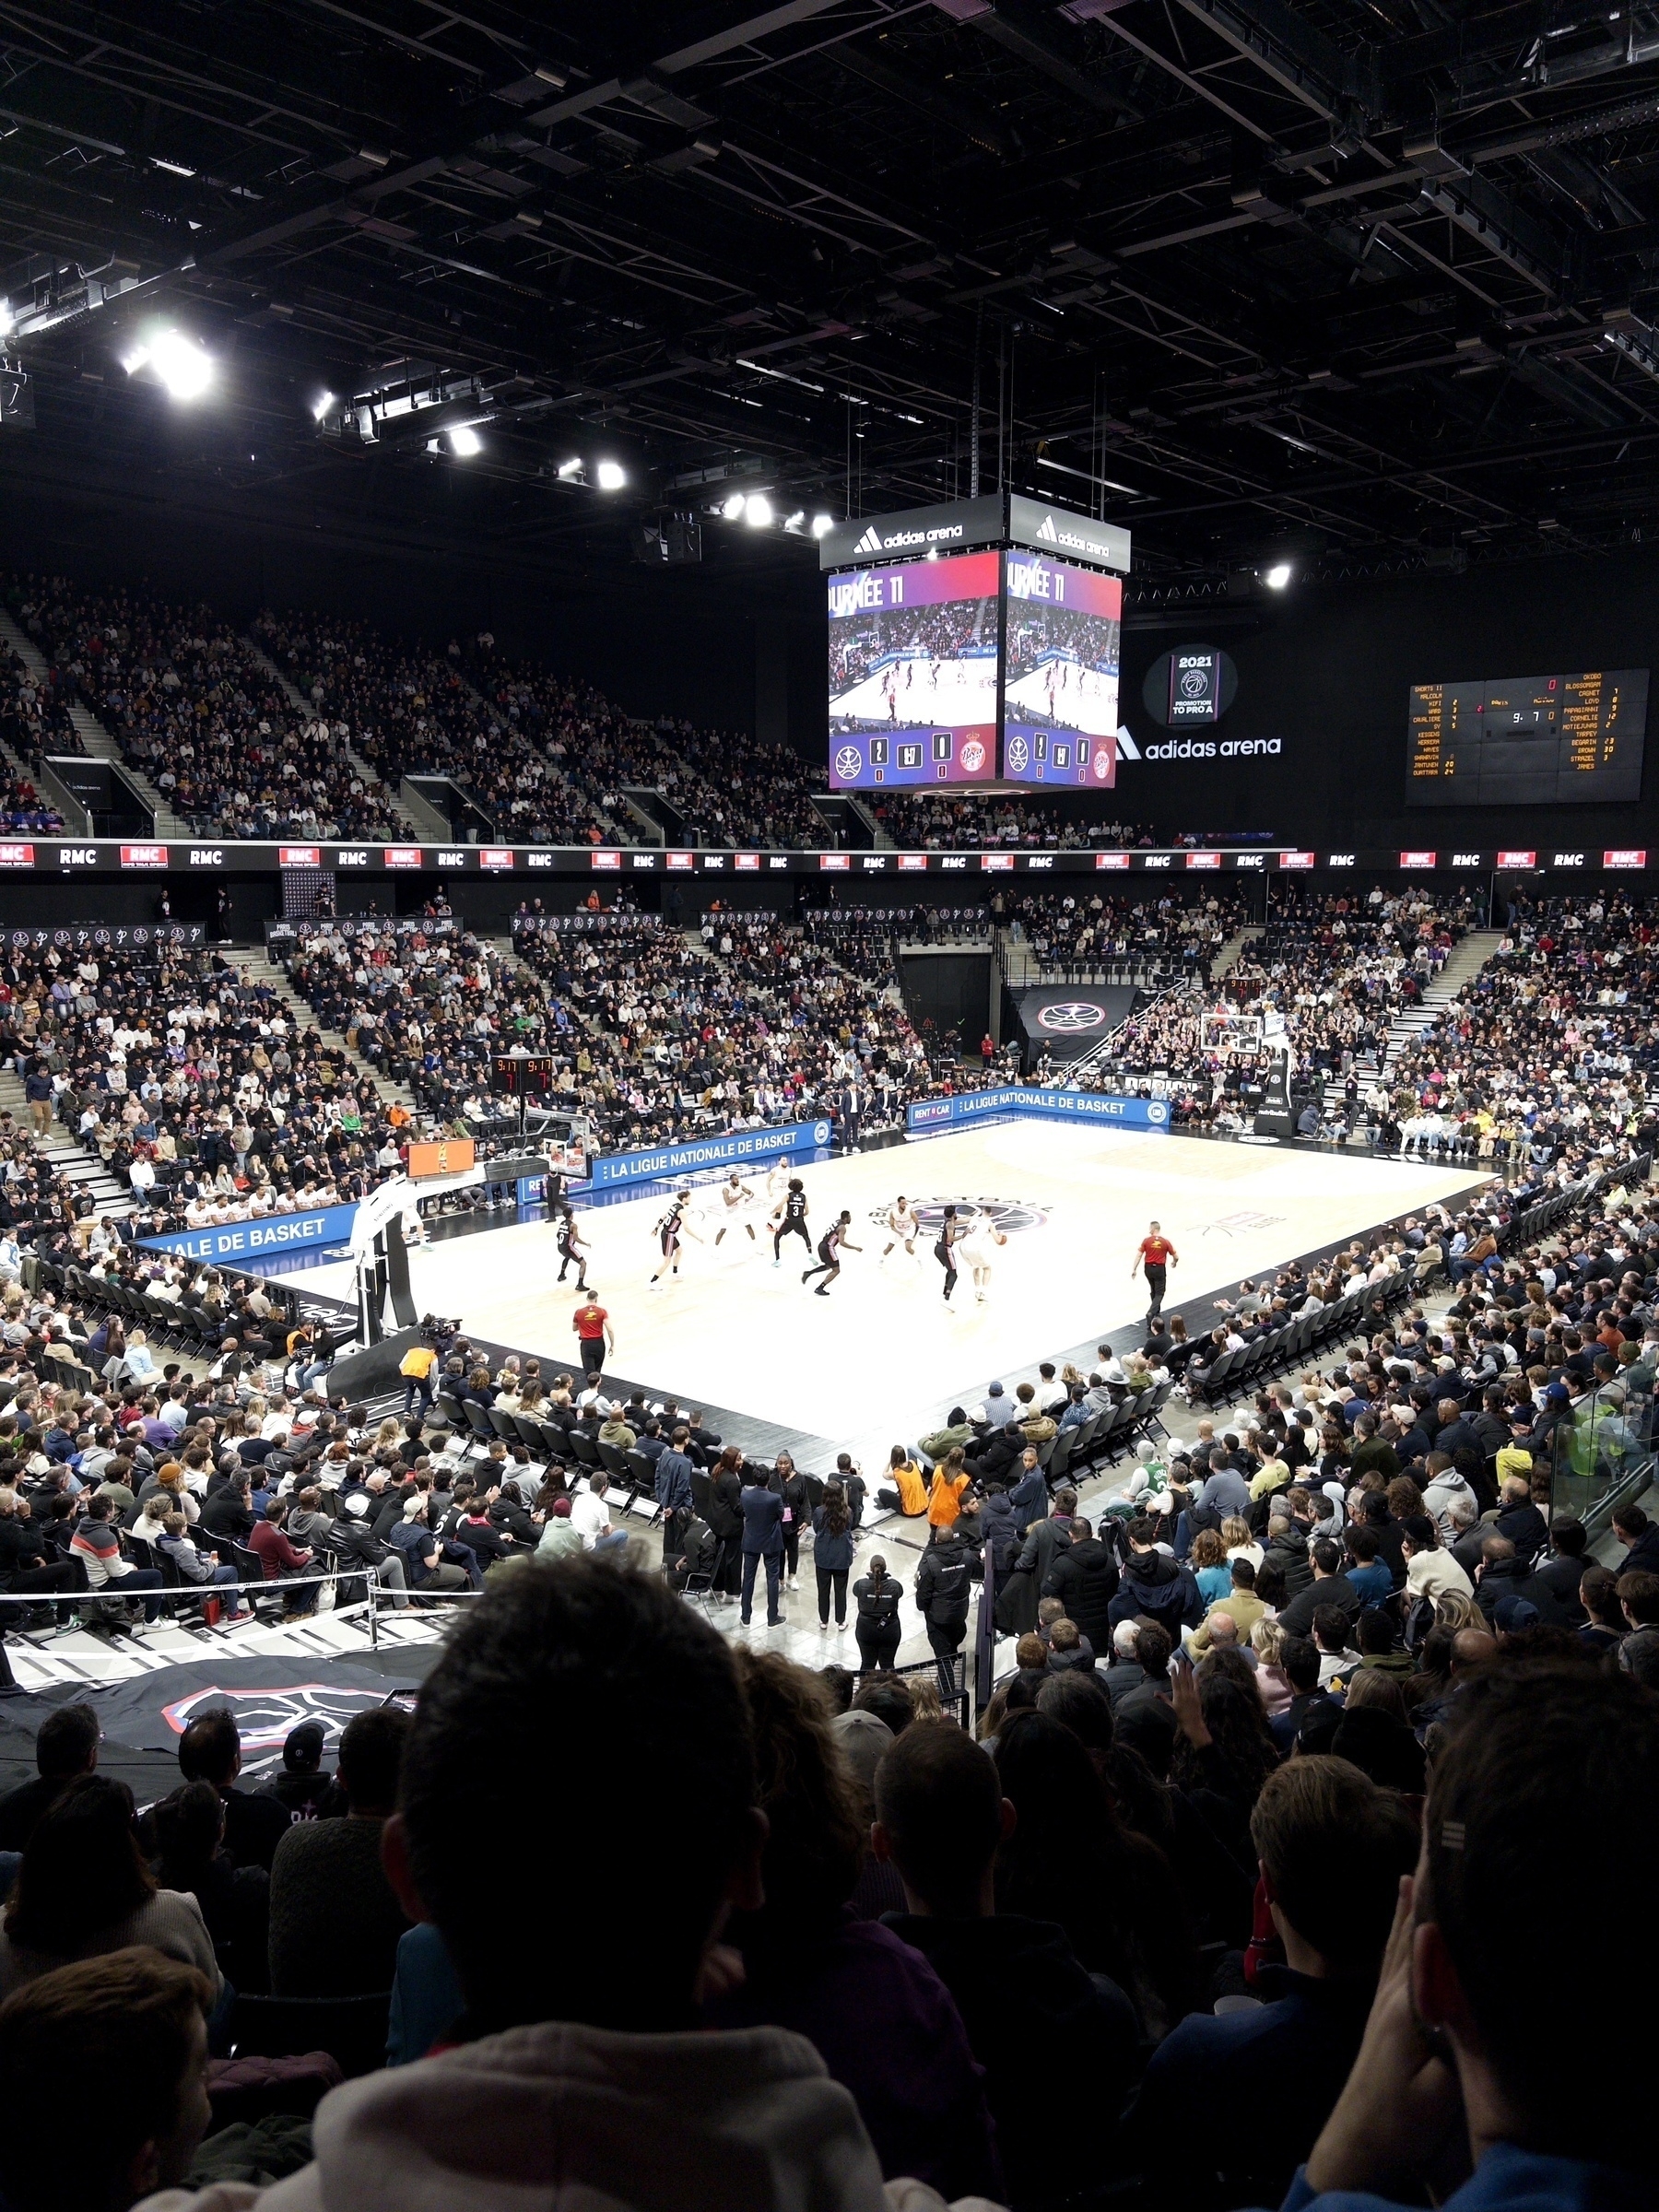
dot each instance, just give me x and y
(1023, 1100)
(784, 1141)
(274, 1237)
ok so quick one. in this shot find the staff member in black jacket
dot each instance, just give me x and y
(943, 1582)
(876, 1595)
(832, 1553)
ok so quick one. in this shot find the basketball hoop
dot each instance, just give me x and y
(1224, 1034)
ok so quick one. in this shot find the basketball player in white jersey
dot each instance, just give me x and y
(979, 1248)
(737, 1198)
(903, 1228)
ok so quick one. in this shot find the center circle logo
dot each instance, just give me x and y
(848, 762)
(1194, 683)
(1071, 1016)
(1019, 754)
(1010, 1214)
(974, 757)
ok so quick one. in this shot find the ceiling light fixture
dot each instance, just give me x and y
(321, 405)
(610, 475)
(757, 510)
(733, 507)
(464, 442)
(822, 524)
(185, 372)
(567, 469)
(1278, 576)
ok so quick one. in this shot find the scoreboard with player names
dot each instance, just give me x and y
(1528, 740)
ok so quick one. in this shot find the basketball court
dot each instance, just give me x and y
(866, 1366)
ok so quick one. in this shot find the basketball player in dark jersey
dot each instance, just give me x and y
(944, 1250)
(572, 1250)
(668, 1235)
(793, 1223)
(831, 1247)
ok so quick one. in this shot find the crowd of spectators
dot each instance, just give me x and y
(185, 1078)
(754, 1023)
(1072, 931)
(937, 821)
(34, 711)
(411, 711)
(428, 1007)
(1275, 1939)
(189, 705)
(726, 787)
(1551, 1045)
(1328, 973)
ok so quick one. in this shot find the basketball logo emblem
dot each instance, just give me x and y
(848, 761)
(1071, 1016)
(974, 757)
(1019, 755)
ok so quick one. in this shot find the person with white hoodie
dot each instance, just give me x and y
(1446, 1487)
(580, 1707)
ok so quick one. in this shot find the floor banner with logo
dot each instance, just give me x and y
(1067, 1019)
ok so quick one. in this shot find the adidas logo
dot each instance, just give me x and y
(1048, 531)
(870, 542)
(1127, 749)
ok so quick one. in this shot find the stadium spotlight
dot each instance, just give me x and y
(1278, 576)
(567, 469)
(611, 475)
(757, 510)
(733, 507)
(184, 370)
(321, 405)
(464, 442)
(794, 522)
(822, 524)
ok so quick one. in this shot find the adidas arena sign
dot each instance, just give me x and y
(953, 526)
(996, 519)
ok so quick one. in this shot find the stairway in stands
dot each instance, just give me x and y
(96, 740)
(1469, 955)
(302, 706)
(64, 1155)
(264, 969)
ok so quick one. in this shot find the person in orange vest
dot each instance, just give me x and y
(951, 1478)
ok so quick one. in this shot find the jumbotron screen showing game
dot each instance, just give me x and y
(913, 673)
(1528, 740)
(1060, 683)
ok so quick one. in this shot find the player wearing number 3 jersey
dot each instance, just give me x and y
(1157, 1256)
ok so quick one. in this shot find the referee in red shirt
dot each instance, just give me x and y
(1157, 1256)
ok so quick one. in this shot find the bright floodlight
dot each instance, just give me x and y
(733, 507)
(321, 405)
(184, 370)
(6, 318)
(822, 524)
(1278, 576)
(464, 444)
(757, 510)
(610, 475)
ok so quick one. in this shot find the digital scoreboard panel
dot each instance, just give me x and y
(915, 661)
(1064, 627)
(1528, 740)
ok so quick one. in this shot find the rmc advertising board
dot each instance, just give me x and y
(929, 1115)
